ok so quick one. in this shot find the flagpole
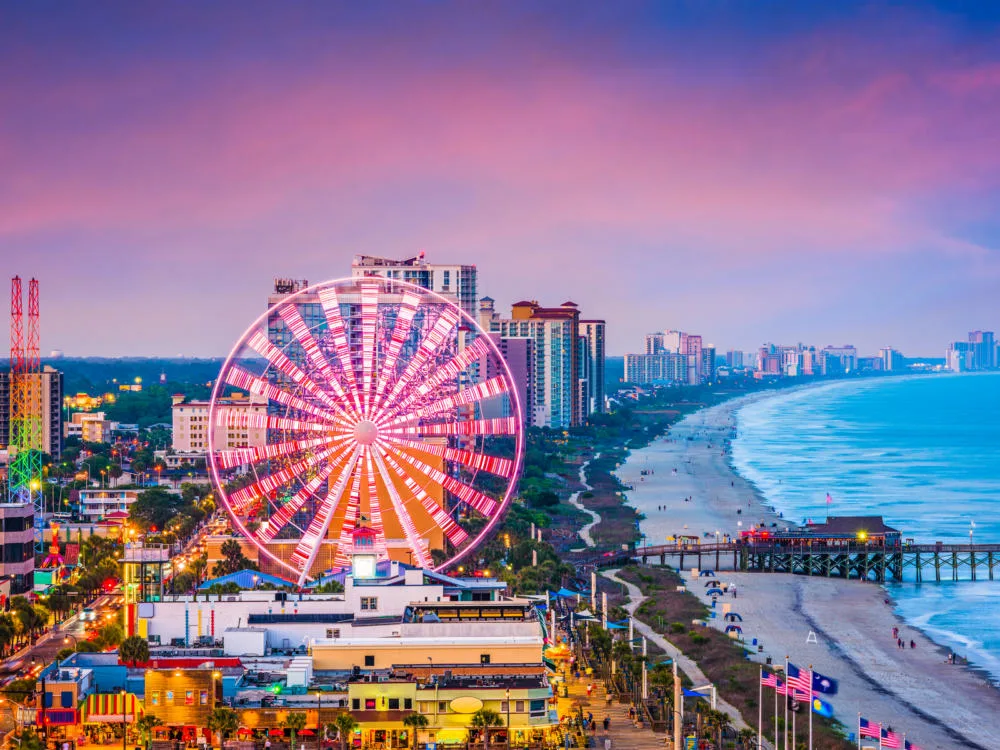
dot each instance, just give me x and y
(810, 707)
(760, 709)
(859, 730)
(793, 721)
(775, 712)
(785, 729)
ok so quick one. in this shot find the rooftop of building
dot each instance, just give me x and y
(852, 525)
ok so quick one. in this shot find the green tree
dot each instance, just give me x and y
(233, 559)
(111, 635)
(747, 739)
(146, 724)
(295, 723)
(133, 650)
(30, 741)
(20, 689)
(486, 719)
(224, 721)
(718, 722)
(414, 722)
(346, 724)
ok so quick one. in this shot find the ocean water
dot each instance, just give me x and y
(924, 452)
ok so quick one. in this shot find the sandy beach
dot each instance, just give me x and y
(915, 691)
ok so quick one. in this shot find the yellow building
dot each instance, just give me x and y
(383, 653)
(449, 701)
(182, 698)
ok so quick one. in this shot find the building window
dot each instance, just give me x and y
(369, 660)
(333, 632)
(369, 704)
(504, 706)
(355, 704)
(408, 703)
(484, 658)
(519, 707)
(442, 707)
(369, 603)
(394, 704)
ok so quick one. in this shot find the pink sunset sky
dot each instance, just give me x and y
(818, 172)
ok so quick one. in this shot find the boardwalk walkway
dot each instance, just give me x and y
(623, 733)
(686, 665)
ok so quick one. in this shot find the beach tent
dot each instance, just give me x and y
(617, 626)
(713, 582)
(707, 574)
(734, 617)
(734, 629)
(565, 594)
(710, 592)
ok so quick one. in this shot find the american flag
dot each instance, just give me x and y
(890, 739)
(768, 680)
(798, 695)
(907, 745)
(868, 729)
(781, 688)
(800, 679)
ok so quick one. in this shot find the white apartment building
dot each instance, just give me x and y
(454, 281)
(96, 504)
(191, 425)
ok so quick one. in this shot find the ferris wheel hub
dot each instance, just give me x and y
(365, 432)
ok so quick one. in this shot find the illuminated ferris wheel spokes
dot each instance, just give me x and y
(378, 413)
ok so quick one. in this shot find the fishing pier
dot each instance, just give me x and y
(855, 547)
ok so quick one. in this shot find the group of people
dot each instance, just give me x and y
(900, 643)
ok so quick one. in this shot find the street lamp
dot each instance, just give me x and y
(123, 694)
(507, 695)
(972, 527)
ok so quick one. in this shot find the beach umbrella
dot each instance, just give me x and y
(306, 733)
(734, 629)
(714, 591)
(707, 573)
(733, 617)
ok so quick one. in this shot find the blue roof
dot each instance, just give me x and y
(245, 580)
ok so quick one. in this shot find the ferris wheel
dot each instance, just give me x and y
(366, 402)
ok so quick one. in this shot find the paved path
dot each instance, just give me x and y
(623, 733)
(574, 500)
(686, 665)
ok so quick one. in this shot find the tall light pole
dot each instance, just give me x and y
(507, 694)
(124, 696)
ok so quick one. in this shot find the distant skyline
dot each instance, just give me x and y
(818, 172)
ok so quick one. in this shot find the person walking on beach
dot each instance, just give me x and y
(607, 723)
(912, 644)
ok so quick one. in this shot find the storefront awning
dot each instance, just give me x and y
(109, 708)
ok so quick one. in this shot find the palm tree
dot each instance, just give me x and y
(719, 721)
(224, 721)
(147, 723)
(133, 650)
(295, 722)
(747, 739)
(486, 718)
(415, 721)
(346, 724)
